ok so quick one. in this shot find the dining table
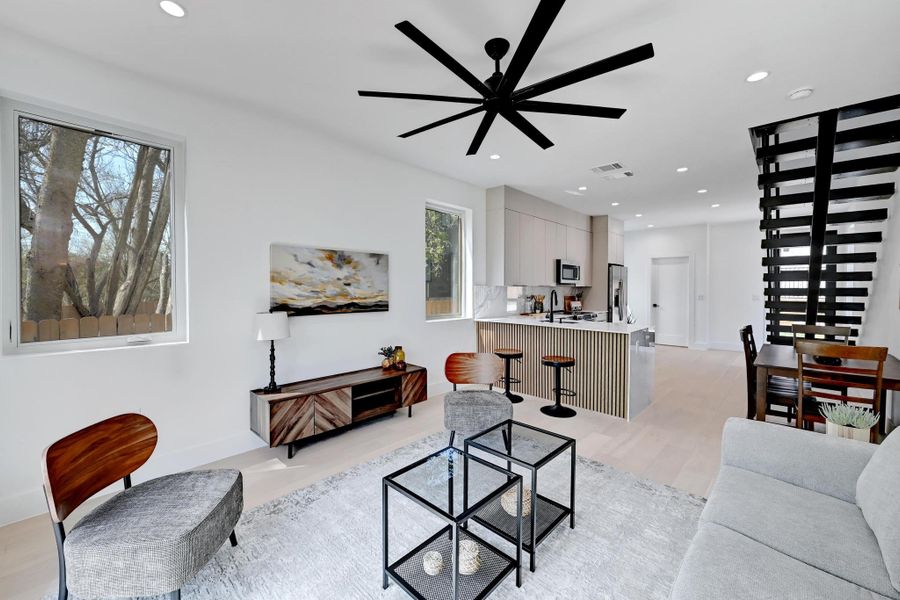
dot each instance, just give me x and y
(781, 360)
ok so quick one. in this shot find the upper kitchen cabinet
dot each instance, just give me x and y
(526, 235)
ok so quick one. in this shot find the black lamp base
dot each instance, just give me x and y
(272, 388)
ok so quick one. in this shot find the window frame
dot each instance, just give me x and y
(465, 258)
(10, 235)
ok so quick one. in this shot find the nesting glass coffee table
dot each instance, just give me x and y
(457, 488)
(532, 448)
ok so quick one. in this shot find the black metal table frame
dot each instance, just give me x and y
(506, 427)
(454, 522)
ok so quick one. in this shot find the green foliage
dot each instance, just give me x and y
(438, 226)
(857, 417)
(387, 351)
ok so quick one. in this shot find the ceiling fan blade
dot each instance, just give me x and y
(424, 42)
(531, 40)
(523, 125)
(444, 121)
(483, 128)
(629, 57)
(562, 108)
(432, 97)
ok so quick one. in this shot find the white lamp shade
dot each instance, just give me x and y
(272, 326)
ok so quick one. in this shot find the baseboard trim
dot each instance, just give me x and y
(732, 346)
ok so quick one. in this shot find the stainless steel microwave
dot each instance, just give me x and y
(567, 273)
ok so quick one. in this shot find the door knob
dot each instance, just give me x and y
(655, 305)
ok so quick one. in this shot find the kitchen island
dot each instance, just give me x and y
(614, 362)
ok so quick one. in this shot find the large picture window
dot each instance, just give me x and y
(444, 263)
(95, 237)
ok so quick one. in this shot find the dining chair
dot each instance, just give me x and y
(781, 397)
(828, 376)
(828, 333)
(474, 410)
(147, 540)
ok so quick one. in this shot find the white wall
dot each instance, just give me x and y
(735, 284)
(726, 277)
(251, 180)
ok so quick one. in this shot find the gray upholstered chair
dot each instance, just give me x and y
(148, 540)
(474, 410)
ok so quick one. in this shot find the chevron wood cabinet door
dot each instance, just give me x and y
(415, 387)
(334, 409)
(291, 420)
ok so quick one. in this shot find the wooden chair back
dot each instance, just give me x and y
(83, 463)
(861, 371)
(473, 367)
(821, 333)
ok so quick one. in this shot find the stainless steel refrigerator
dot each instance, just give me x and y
(617, 299)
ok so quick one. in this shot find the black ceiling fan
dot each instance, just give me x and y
(499, 95)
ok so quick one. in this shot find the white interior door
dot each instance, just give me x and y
(670, 300)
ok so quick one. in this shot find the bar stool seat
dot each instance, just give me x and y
(508, 355)
(558, 363)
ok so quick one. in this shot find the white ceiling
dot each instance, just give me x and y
(687, 106)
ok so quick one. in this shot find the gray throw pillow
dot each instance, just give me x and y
(878, 496)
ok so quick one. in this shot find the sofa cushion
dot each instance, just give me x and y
(877, 491)
(723, 564)
(817, 529)
(153, 537)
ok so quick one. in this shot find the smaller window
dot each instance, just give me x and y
(444, 263)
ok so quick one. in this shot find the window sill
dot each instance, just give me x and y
(36, 349)
(447, 319)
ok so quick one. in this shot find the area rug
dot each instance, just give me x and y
(324, 541)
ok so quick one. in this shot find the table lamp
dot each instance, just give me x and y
(270, 327)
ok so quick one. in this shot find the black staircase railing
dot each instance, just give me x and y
(825, 180)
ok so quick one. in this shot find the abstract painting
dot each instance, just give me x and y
(318, 281)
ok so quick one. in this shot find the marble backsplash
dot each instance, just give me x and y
(493, 301)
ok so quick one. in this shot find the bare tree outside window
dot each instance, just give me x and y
(95, 234)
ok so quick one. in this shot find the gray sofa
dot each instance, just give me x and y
(797, 515)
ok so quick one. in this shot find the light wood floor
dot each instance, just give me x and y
(676, 441)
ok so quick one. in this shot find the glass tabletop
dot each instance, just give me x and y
(440, 480)
(527, 444)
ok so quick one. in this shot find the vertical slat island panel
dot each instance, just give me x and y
(602, 374)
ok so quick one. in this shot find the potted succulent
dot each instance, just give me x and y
(388, 353)
(852, 422)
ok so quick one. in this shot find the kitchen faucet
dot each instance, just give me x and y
(553, 299)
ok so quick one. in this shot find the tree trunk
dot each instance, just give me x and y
(145, 257)
(165, 274)
(122, 230)
(137, 233)
(48, 260)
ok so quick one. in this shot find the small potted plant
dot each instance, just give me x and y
(852, 422)
(388, 353)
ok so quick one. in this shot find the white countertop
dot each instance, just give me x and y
(536, 321)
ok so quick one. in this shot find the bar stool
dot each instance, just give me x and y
(508, 355)
(559, 363)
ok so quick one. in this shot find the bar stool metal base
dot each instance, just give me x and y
(514, 398)
(559, 411)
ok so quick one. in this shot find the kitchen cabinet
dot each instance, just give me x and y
(616, 248)
(526, 235)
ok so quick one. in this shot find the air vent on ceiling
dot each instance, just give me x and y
(612, 170)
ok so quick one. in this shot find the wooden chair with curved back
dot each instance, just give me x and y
(781, 398)
(860, 370)
(472, 411)
(83, 463)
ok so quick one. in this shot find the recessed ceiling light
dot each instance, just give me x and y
(615, 203)
(715, 205)
(702, 191)
(758, 76)
(800, 93)
(582, 188)
(573, 192)
(639, 215)
(681, 169)
(495, 157)
(172, 8)
(649, 226)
